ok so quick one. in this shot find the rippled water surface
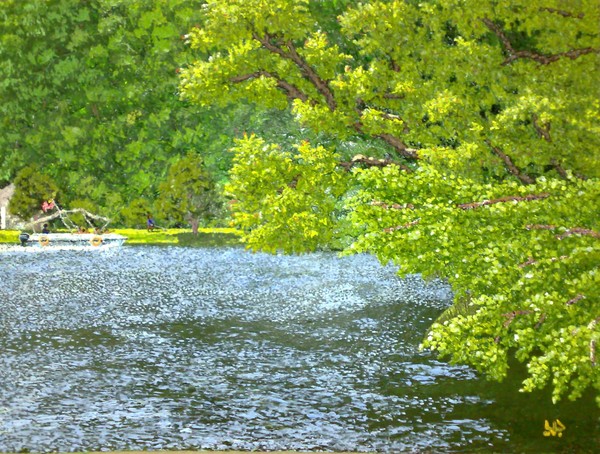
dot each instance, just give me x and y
(174, 348)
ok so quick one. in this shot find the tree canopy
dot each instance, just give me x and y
(486, 173)
(89, 94)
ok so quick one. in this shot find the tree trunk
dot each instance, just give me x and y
(195, 223)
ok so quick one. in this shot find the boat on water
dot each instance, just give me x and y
(77, 238)
(75, 241)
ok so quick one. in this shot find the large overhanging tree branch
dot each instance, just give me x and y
(291, 91)
(567, 232)
(275, 45)
(287, 50)
(562, 13)
(542, 59)
(493, 148)
(510, 165)
(318, 90)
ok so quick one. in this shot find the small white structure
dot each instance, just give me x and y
(6, 193)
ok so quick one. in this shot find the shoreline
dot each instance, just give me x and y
(204, 451)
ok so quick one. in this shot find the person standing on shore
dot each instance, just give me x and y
(150, 223)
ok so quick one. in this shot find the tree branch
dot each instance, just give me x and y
(579, 231)
(512, 168)
(292, 92)
(543, 132)
(393, 96)
(540, 321)
(394, 65)
(563, 173)
(566, 233)
(559, 169)
(532, 261)
(469, 206)
(371, 162)
(510, 316)
(527, 54)
(574, 300)
(62, 213)
(400, 147)
(401, 227)
(540, 227)
(307, 71)
(321, 85)
(266, 42)
(563, 13)
(395, 206)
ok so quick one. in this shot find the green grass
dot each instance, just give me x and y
(208, 237)
(181, 237)
(9, 236)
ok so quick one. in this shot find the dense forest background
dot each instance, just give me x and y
(90, 105)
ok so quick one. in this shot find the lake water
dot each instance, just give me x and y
(175, 348)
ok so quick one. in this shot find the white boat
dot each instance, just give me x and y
(75, 241)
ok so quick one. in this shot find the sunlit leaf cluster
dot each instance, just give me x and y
(285, 199)
(526, 279)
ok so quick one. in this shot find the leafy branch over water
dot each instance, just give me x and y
(487, 124)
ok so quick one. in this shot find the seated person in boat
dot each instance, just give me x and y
(45, 229)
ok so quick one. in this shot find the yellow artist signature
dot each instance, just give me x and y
(555, 429)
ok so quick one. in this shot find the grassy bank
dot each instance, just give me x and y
(168, 237)
(181, 237)
(9, 236)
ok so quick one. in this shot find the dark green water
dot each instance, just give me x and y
(175, 348)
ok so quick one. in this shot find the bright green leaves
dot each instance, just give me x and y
(442, 105)
(237, 20)
(285, 200)
(320, 54)
(428, 75)
(525, 278)
(568, 361)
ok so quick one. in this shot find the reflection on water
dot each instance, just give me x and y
(173, 348)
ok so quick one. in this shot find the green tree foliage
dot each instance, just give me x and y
(89, 92)
(32, 188)
(135, 213)
(286, 200)
(189, 194)
(487, 173)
